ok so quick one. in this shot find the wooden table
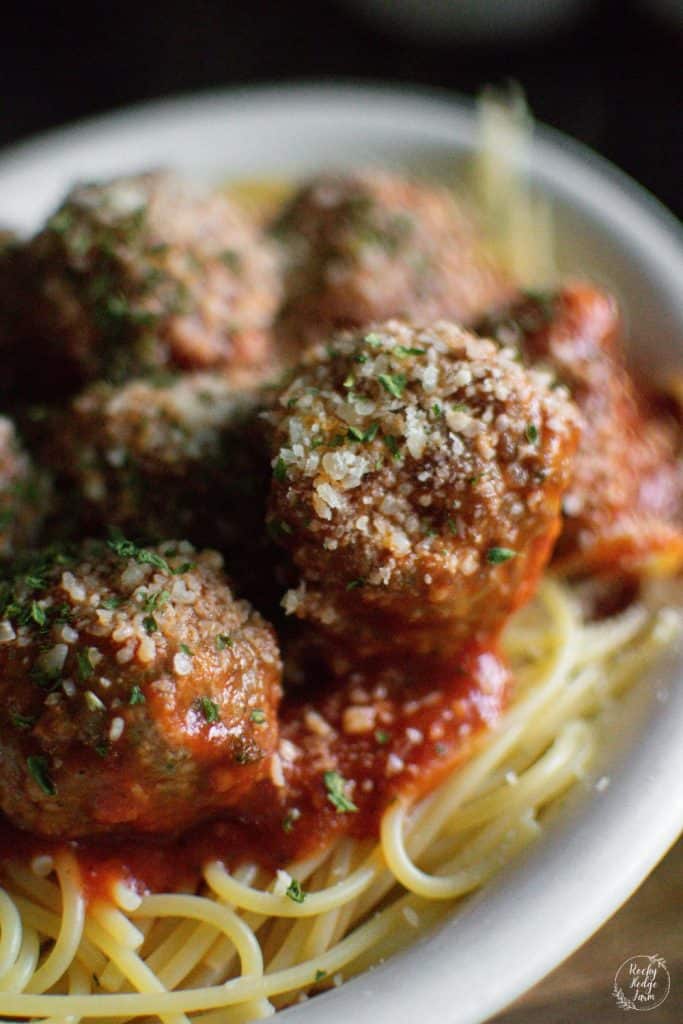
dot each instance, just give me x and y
(580, 990)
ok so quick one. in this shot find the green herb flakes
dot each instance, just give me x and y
(335, 785)
(38, 769)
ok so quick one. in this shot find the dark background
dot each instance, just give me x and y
(612, 79)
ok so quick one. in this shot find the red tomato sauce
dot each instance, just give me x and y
(386, 730)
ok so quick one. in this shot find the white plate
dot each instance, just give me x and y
(541, 908)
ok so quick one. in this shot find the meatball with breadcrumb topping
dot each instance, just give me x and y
(136, 694)
(623, 508)
(176, 458)
(25, 493)
(145, 273)
(371, 245)
(417, 480)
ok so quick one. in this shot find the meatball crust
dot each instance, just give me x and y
(182, 458)
(148, 272)
(372, 245)
(24, 493)
(418, 473)
(136, 694)
(622, 510)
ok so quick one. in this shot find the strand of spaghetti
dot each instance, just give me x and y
(285, 938)
(324, 927)
(134, 969)
(117, 925)
(178, 967)
(561, 764)
(232, 891)
(215, 997)
(79, 984)
(17, 977)
(200, 908)
(38, 890)
(48, 925)
(71, 925)
(10, 932)
(220, 917)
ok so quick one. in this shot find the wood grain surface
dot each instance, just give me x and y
(580, 990)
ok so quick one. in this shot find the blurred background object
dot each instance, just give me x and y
(605, 71)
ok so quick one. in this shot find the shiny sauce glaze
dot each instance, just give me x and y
(348, 748)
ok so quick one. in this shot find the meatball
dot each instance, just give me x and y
(181, 458)
(136, 694)
(622, 509)
(24, 493)
(418, 474)
(372, 245)
(145, 273)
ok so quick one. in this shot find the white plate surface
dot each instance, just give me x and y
(545, 905)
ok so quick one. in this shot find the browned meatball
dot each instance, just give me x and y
(173, 459)
(136, 694)
(372, 245)
(418, 474)
(24, 493)
(623, 507)
(148, 272)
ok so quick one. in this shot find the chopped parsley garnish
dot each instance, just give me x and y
(394, 383)
(223, 641)
(150, 624)
(102, 749)
(295, 891)
(129, 549)
(185, 567)
(209, 710)
(531, 433)
(354, 584)
(460, 407)
(22, 721)
(38, 768)
(85, 666)
(402, 350)
(452, 526)
(371, 432)
(280, 471)
(360, 358)
(498, 555)
(153, 601)
(382, 736)
(437, 410)
(392, 444)
(112, 602)
(292, 816)
(258, 716)
(335, 785)
(136, 696)
(319, 975)
(38, 614)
